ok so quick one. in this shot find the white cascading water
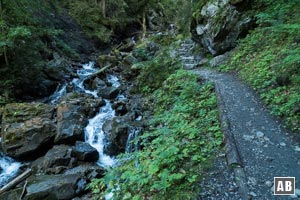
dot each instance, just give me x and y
(132, 144)
(94, 134)
(60, 91)
(8, 169)
(93, 131)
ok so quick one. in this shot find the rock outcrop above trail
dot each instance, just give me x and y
(221, 23)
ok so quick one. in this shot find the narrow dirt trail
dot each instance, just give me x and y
(265, 149)
(264, 146)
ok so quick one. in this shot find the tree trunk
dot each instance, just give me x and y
(144, 27)
(103, 7)
(5, 55)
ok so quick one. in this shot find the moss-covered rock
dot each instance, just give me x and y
(28, 129)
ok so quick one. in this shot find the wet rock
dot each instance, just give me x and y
(60, 186)
(58, 69)
(73, 113)
(87, 170)
(109, 92)
(95, 84)
(116, 132)
(120, 108)
(28, 130)
(221, 25)
(56, 160)
(85, 152)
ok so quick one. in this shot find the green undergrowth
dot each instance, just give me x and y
(269, 59)
(28, 38)
(180, 142)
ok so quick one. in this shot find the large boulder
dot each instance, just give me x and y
(109, 92)
(116, 132)
(221, 23)
(73, 113)
(28, 129)
(61, 187)
(58, 69)
(94, 84)
(87, 170)
(56, 160)
(85, 152)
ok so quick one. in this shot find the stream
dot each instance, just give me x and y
(94, 134)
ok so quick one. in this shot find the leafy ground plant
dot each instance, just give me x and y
(183, 137)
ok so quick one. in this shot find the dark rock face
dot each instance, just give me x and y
(221, 23)
(95, 84)
(55, 161)
(28, 130)
(85, 152)
(73, 113)
(116, 132)
(56, 186)
(120, 108)
(109, 92)
(87, 170)
(58, 69)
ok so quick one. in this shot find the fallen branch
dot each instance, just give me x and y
(100, 71)
(24, 190)
(16, 181)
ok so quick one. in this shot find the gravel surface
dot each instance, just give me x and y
(265, 148)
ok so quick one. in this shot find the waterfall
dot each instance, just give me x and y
(94, 134)
(60, 91)
(132, 144)
(9, 168)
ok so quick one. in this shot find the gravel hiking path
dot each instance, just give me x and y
(260, 148)
(264, 147)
